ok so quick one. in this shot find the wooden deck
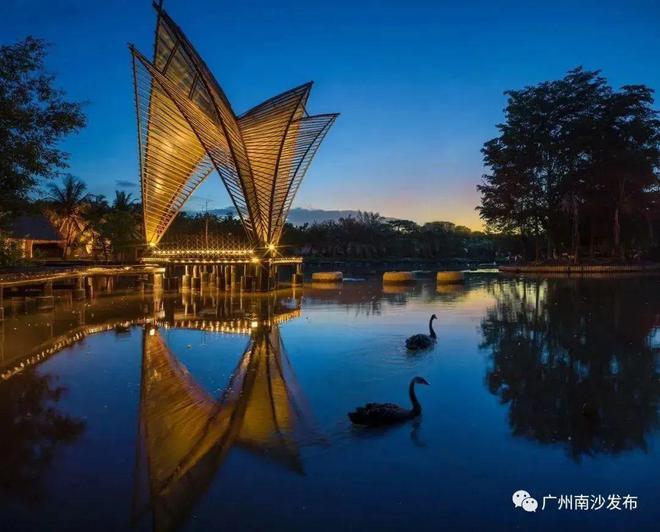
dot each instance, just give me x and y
(46, 275)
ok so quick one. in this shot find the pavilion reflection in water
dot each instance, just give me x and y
(185, 433)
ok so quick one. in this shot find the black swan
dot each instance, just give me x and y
(378, 414)
(422, 341)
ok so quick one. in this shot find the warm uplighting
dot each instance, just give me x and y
(255, 324)
(187, 128)
(202, 251)
(57, 345)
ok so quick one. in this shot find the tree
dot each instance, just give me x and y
(68, 203)
(95, 218)
(10, 253)
(572, 149)
(121, 225)
(629, 156)
(34, 117)
(370, 236)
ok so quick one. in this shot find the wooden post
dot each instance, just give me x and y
(219, 278)
(204, 277)
(2, 308)
(213, 277)
(263, 278)
(185, 279)
(46, 301)
(78, 293)
(232, 275)
(196, 281)
(227, 277)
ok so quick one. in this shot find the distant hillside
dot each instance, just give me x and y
(299, 215)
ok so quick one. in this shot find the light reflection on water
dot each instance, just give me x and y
(232, 412)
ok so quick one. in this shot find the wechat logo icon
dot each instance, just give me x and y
(522, 499)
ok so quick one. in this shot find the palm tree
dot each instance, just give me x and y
(123, 201)
(122, 225)
(68, 203)
(95, 216)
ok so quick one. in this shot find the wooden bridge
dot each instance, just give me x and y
(80, 281)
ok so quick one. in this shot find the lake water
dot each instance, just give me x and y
(230, 412)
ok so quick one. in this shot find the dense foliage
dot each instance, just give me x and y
(34, 117)
(200, 224)
(365, 236)
(576, 165)
(90, 225)
(368, 235)
(10, 254)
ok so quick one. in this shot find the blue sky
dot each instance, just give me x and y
(418, 84)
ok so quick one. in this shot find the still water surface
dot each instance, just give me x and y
(230, 412)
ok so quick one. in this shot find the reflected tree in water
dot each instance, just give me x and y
(559, 345)
(33, 429)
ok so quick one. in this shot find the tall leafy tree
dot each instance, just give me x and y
(628, 158)
(34, 117)
(570, 150)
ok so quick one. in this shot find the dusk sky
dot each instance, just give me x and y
(418, 84)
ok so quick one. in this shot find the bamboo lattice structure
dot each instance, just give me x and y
(187, 129)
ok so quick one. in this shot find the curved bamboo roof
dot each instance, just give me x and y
(187, 128)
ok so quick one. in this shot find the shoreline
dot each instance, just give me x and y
(578, 268)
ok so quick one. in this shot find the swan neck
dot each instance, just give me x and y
(417, 408)
(431, 331)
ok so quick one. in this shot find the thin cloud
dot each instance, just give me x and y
(125, 184)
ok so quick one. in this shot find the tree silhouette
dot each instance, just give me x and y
(570, 151)
(34, 117)
(556, 345)
(33, 429)
(68, 204)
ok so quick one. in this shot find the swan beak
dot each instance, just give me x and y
(424, 381)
